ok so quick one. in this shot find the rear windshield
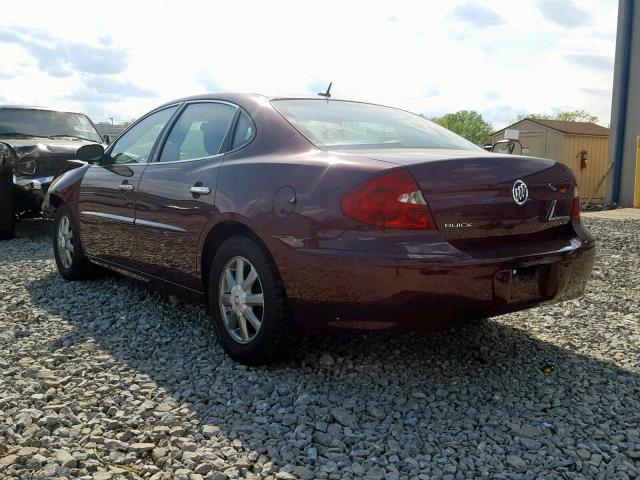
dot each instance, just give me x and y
(342, 125)
(46, 123)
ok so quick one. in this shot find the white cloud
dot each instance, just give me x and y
(415, 55)
(477, 15)
(565, 13)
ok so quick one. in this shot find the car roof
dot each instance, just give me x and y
(241, 97)
(236, 95)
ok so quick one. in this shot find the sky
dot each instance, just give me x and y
(501, 58)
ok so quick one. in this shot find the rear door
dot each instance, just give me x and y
(176, 194)
(108, 192)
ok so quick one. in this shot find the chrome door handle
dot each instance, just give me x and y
(200, 190)
(125, 187)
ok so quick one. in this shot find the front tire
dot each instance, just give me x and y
(70, 259)
(7, 214)
(247, 302)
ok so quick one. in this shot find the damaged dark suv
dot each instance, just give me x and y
(36, 146)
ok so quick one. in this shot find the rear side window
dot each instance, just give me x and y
(244, 131)
(200, 132)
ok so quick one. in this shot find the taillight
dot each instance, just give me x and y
(393, 200)
(575, 211)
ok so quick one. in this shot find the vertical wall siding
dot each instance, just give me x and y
(555, 141)
(549, 143)
(597, 162)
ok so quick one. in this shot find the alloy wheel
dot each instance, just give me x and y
(65, 241)
(241, 299)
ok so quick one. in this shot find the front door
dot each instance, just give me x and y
(176, 193)
(106, 204)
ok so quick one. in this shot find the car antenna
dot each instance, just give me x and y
(326, 94)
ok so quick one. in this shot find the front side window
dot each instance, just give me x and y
(46, 123)
(199, 132)
(342, 125)
(136, 144)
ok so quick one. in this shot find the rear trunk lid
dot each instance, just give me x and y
(478, 198)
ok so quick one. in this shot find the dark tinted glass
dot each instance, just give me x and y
(199, 132)
(135, 145)
(46, 123)
(244, 131)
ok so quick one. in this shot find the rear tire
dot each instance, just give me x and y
(70, 259)
(250, 313)
(7, 214)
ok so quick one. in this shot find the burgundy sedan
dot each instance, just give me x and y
(291, 213)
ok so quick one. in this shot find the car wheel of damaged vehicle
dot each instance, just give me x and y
(248, 303)
(70, 259)
(7, 216)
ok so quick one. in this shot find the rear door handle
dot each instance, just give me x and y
(125, 187)
(199, 190)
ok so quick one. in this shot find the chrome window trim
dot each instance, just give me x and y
(225, 102)
(185, 105)
(185, 160)
(253, 136)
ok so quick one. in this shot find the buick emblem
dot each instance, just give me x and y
(520, 192)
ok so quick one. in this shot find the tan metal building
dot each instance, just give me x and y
(583, 146)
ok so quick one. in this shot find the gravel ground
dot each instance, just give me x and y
(106, 379)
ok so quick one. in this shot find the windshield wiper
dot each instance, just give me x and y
(73, 136)
(20, 134)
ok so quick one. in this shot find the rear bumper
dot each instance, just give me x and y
(355, 291)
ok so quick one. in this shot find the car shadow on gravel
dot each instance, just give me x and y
(34, 228)
(27, 244)
(468, 391)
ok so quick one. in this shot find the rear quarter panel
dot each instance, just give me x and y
(256, 182)
(286, 190)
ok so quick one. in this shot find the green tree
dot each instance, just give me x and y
(468, 124)
(538, 116)
(568, 116)
(577, 116)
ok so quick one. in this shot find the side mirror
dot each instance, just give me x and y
(107, 139)
(91, 153)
